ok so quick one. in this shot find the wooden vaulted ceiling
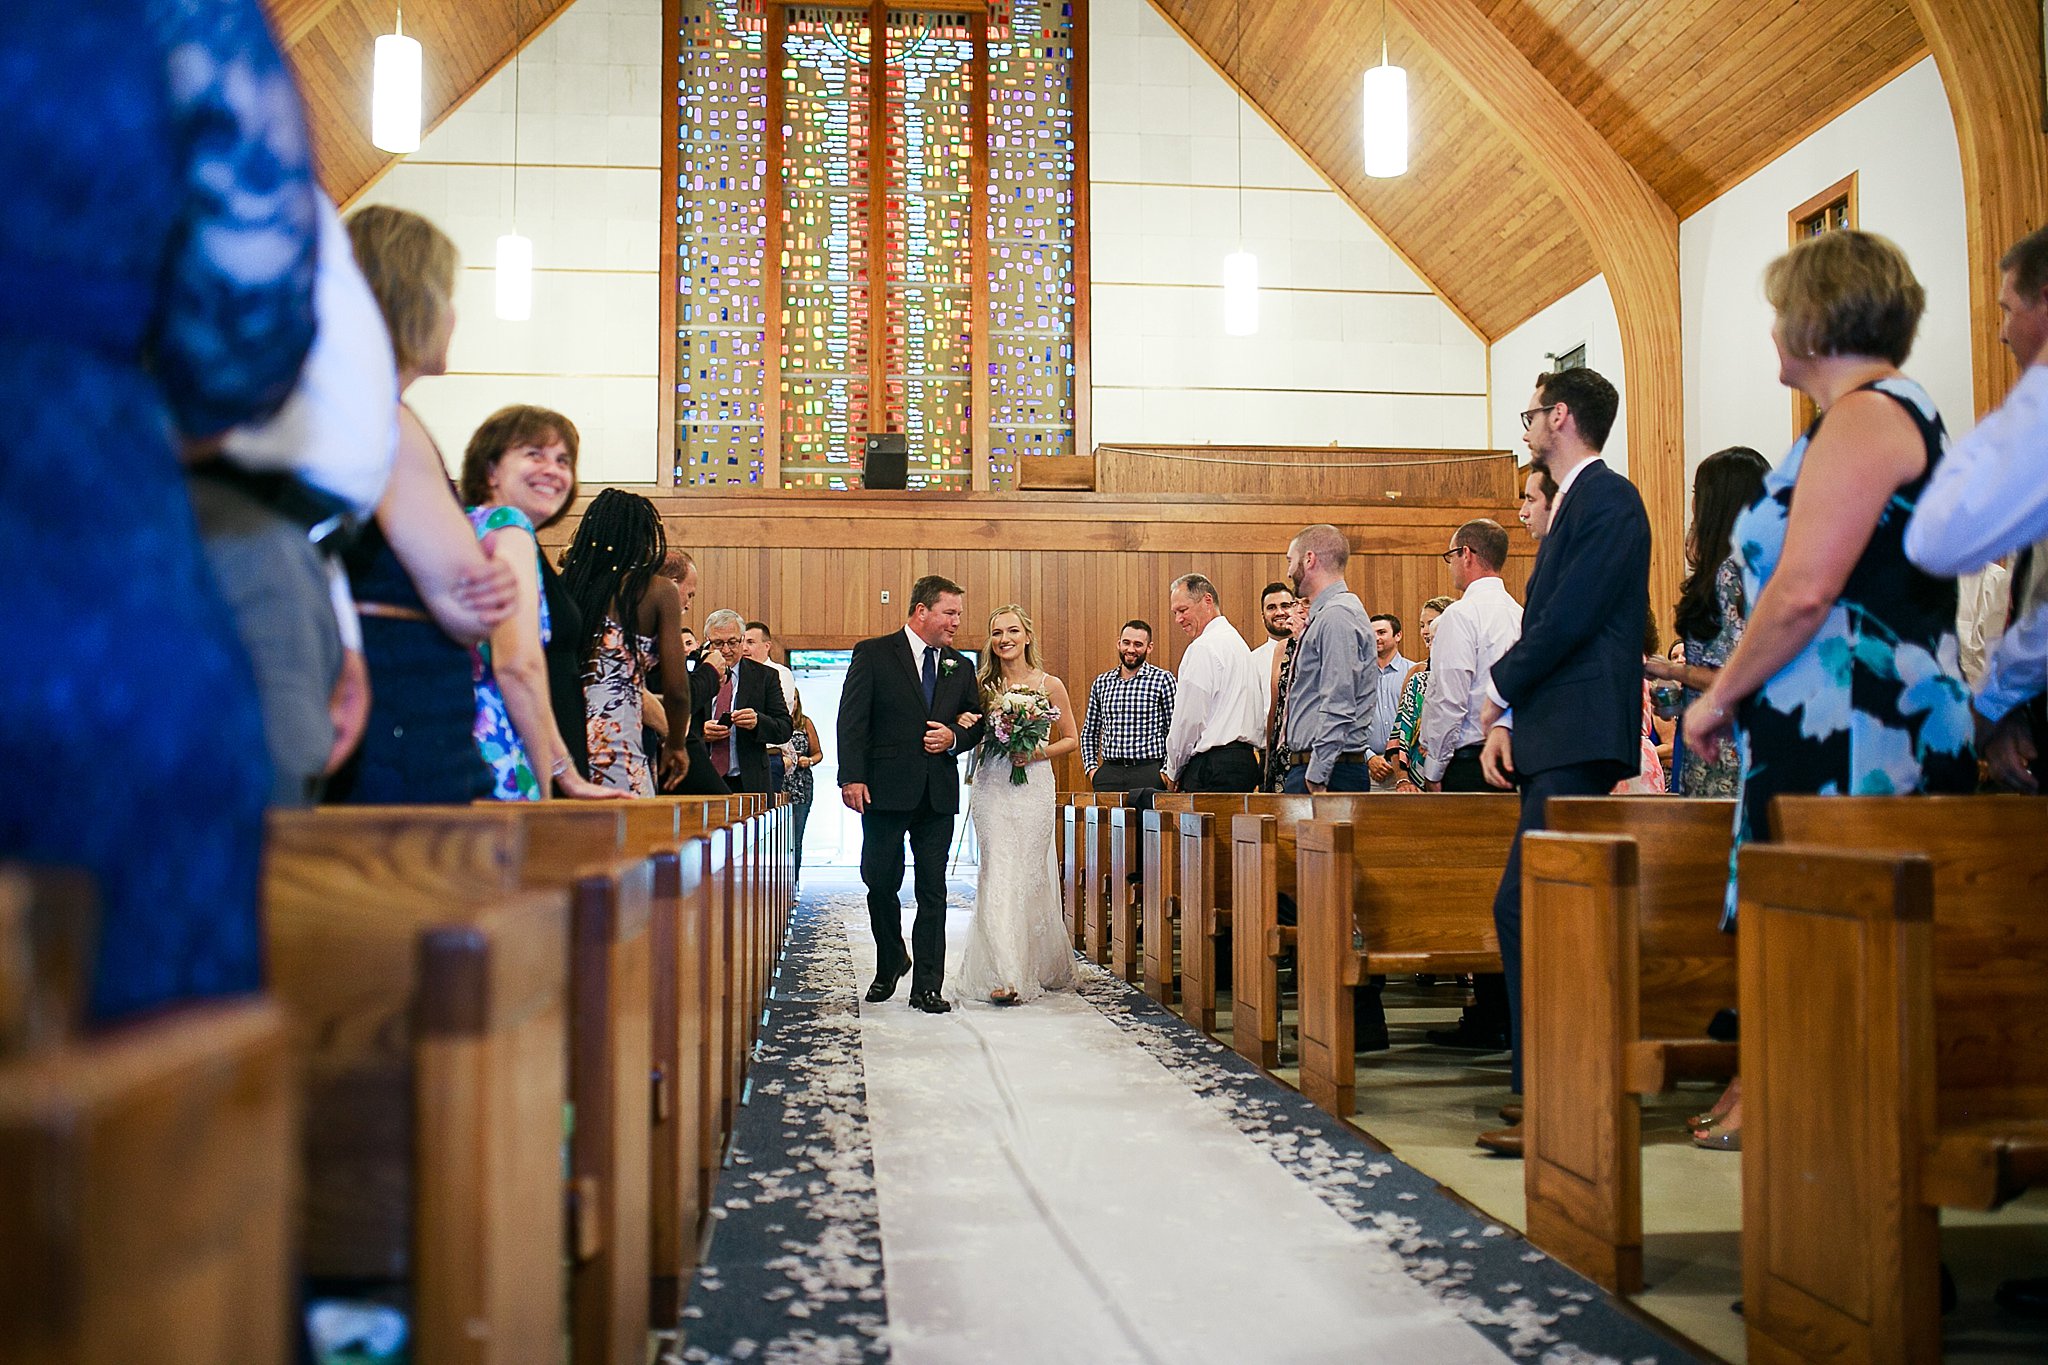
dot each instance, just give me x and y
(330, 44)
(1694, 94)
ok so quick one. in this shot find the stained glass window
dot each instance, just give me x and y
(857, 308)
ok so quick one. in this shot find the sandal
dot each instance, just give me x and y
(1002, 998)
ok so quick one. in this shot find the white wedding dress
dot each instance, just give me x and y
(1019, 938)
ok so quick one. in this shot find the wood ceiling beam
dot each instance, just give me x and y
(1633, 233)
(1989, 55)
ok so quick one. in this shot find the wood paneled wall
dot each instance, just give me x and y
(814, 566)
(1310, 473)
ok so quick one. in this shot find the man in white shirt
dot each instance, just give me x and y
(1210, 747)
(1475, 630)
(1276, 608)
(1989, 497)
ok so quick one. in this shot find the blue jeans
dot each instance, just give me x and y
(1344, 777)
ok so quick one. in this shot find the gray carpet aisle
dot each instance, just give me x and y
(795, 1268)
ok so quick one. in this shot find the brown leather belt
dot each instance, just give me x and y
(390, 612)
(1301, 758)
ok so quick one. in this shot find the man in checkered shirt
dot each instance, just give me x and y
(1123, 741)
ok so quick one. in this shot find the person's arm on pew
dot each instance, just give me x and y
(520, 665)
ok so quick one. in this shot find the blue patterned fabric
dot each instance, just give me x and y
(1875, 705)
(156, 274)
(497, 738)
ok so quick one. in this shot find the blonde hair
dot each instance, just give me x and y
(989, 675)
(410, 265)
(1846, 293)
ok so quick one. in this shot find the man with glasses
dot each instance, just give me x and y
(1564, 713)
(748, 714)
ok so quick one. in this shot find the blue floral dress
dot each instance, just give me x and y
(512, 776)
(1875, 705)
(156, 276)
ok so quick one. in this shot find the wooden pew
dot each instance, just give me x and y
(1407, 887)
(1073, 864)
(427, 999)
(1623, 965)
(1121, 901)
(1096, 894)
(147, 1173)
(1893, 1006)
(1161, 900)
(1254, 865)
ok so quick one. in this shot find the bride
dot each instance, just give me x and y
(1018, 948)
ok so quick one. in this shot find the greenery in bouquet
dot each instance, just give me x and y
(1019, 720)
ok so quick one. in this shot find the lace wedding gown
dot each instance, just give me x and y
(1019, 939)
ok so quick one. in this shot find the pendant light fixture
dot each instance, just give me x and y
(395, 91)
(513, 264)
(1240, 267)
(1385, 91)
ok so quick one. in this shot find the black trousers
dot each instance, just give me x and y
(1488, 1012)
(881, 871)
(1575, 779)
(1116, 775)
(1225, 768)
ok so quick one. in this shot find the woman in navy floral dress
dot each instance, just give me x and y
(156, 281)
(1847, 679)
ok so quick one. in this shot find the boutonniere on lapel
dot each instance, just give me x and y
(946, 666)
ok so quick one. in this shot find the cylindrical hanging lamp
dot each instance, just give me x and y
(1385, 90)
(514, 270)
(395, 91)
(1240, 294)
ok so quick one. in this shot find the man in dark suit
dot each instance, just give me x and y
(1565, 709)
(748, 714)
(899, 730)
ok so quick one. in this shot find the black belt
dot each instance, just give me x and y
(1301, 758)
(1136, 762)
(1475, 750)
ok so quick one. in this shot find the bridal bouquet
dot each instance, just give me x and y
(1019, 720)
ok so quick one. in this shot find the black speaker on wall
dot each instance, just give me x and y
(888, 461)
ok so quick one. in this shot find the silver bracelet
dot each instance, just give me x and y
(561, 766)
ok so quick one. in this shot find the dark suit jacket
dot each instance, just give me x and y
(1575, 678)
(882, 717)
(757, 687)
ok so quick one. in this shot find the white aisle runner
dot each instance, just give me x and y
(1050, 1192)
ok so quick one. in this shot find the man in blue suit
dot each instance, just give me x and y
(1565, 708)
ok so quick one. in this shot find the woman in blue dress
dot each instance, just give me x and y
(156, 283)
(1847, 679)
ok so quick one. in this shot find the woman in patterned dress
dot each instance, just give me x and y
(1847, 679)
(519, 474)
(806, 753)
(1711, 606)
(612, 572)
(1401, 750)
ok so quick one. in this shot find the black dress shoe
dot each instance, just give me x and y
(885, 984)
(1468, 1039)
(2023, 1298)
(930, 1002)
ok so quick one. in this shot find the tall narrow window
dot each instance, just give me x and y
(874, 232)
(1832, 210)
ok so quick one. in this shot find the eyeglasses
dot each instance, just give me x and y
(725, 646)
(1530, 416)
(1450, 556)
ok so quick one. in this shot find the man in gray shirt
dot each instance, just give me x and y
(1334, 692)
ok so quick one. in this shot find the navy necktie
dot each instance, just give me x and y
(931, 676)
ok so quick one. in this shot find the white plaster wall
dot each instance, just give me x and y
(1901, 142)
(590, 198)
(1352, 347)
(1583, 317)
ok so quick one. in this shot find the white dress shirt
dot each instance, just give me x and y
(1262, 668)
(2017, 670)
(1989, 494)
(1215, 698)
(1472, 633)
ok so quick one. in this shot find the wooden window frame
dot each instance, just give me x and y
(1843, 192)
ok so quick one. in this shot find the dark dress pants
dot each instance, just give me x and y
(1369, 1008)
(1118, 776)
(1573, 779)
(1488, 1012)
(1226, 768)
(881, 870)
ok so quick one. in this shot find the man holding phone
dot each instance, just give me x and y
(748, 714)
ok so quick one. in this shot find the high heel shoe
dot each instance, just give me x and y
(1707, 1118)
(1715, 1139)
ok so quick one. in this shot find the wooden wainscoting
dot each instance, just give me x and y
(1351, 474)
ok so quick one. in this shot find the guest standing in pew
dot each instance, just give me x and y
(1473, 633)
(1539, 490)
(1846, 679)
(611, 572)
(680, 569)
(1990, 498)
(760, 647)
(1392, 667)
(1272, 759)
(1130, 710)
(1276, 613)
(1564, 708)
(1711, 606)
(519, 475)
(1211, 746)
(425, 590)
(707, 675)
(158, 252)
(1402, 750)
(748, 715)
(806, 753)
